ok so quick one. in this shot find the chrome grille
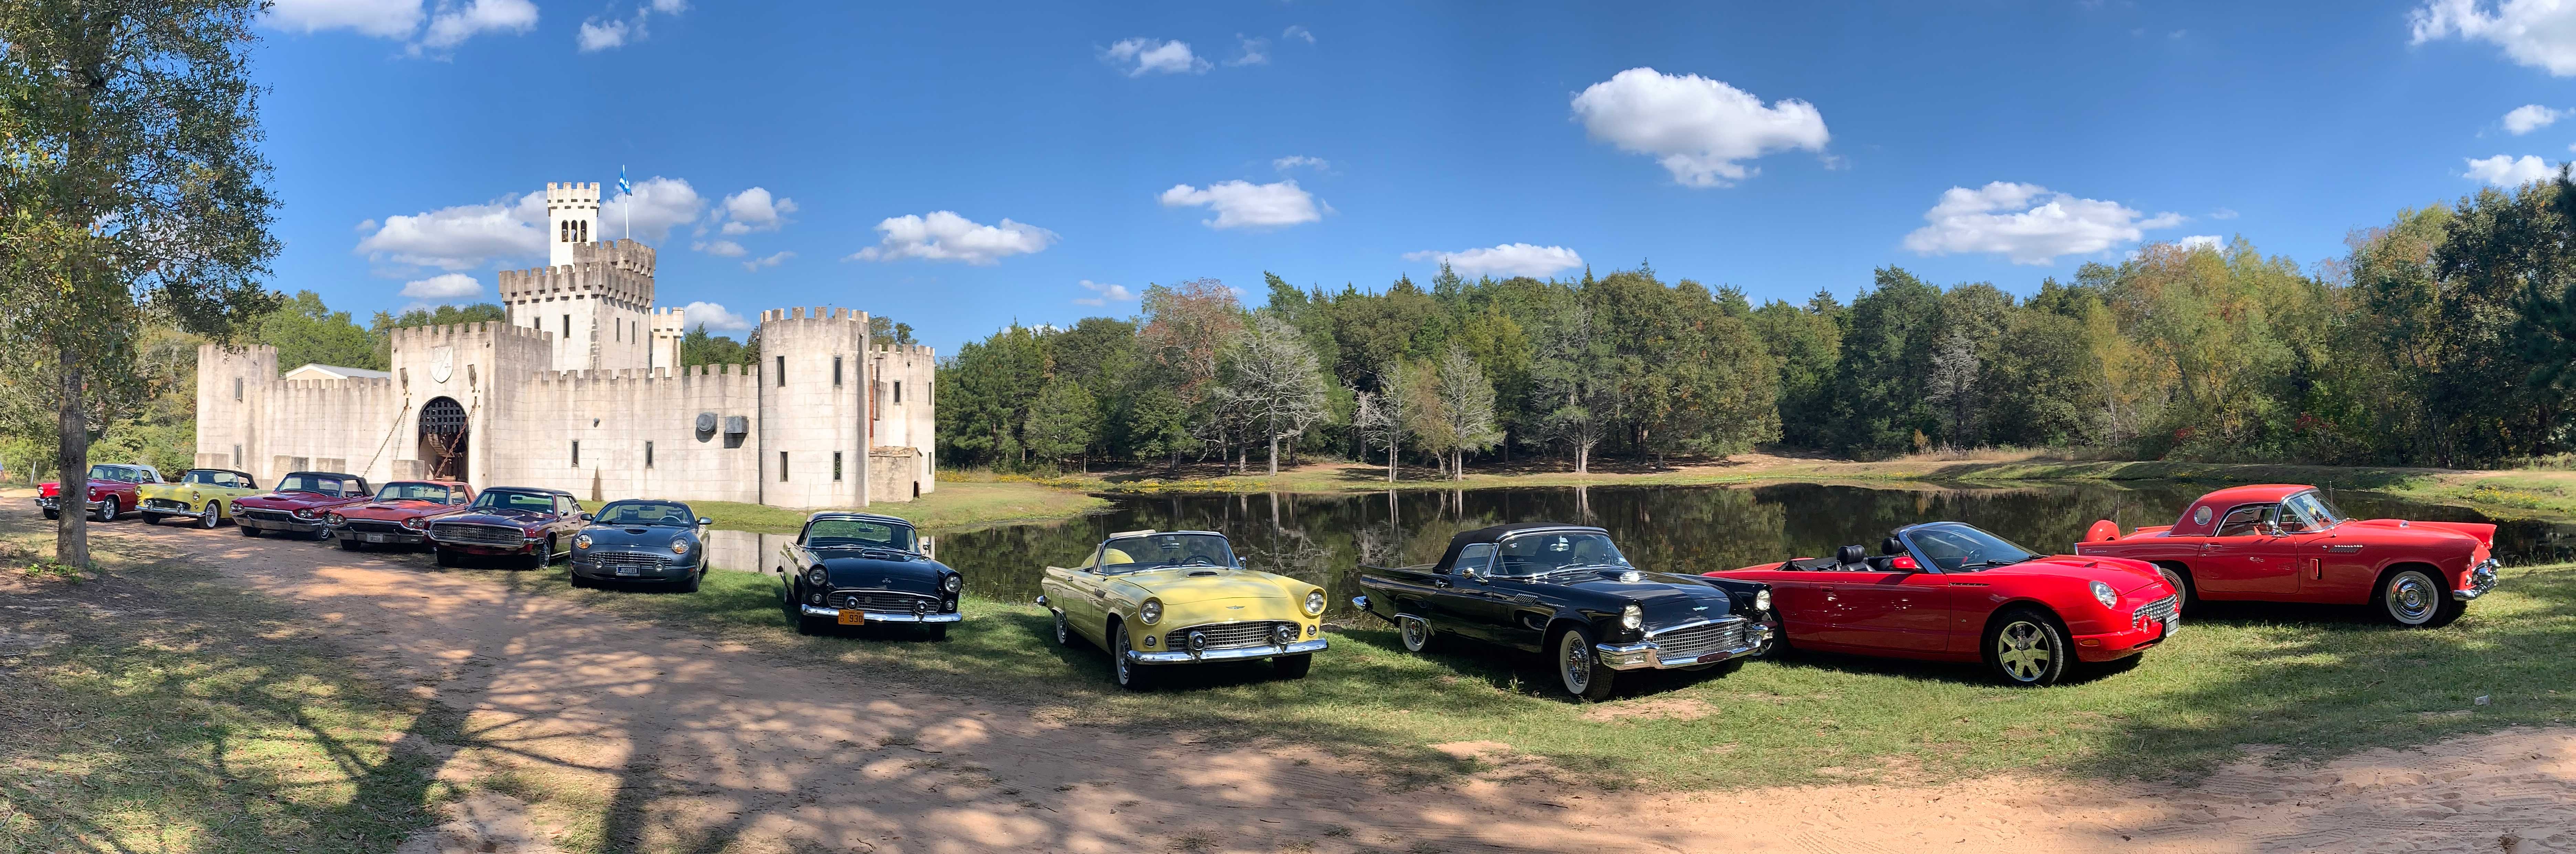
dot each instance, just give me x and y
(2161, 610)
(267, 515)
(882, 601)
(1724, 635)
(1226, 635)
(478, 535)
(166, 504)
(377, 526)
(638, 561)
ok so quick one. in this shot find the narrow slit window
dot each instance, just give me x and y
(782, 372)
(782, 467)
(836, 372)
(648, 455)
(237, 388)
(576, 453)
(567, 323)
(898, 392)
(836, 465)
(236, 456)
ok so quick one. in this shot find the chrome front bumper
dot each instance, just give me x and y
(179, 514)
(2482, 579)
(882, 616)
(1295, 648)
(299, 526)
(1646, 655)
(49, 504)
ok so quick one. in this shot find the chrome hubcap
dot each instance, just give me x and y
(1578, 664)
(1121, 656)
(1415, 633)
(2410, 598)
(2023, 651)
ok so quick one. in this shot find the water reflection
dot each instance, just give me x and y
(1319, 538)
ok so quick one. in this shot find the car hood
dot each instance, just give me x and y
(1205, 584)
(848, 569)
(294, 500)
(403, 508)
(2124, 575)
(514, 518)
(650, 536)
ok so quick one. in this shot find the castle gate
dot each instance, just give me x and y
(442, 439)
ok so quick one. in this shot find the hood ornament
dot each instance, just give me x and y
(1632, 576)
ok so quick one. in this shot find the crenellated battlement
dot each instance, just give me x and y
(820, 314)
(919, 350)
(406, 336)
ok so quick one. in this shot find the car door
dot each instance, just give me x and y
(2246, 557)
(1462, 598)
(1082, 602)
(1899, 611)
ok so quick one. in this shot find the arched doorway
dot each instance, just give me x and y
(442, 439)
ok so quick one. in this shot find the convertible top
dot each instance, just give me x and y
(1496, 534)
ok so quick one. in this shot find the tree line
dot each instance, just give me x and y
(2443, 337)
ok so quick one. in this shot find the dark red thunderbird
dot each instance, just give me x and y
(400, 515)
(1946, 591)
(531, 526)
(112, 490)
(301, 504)
(2286, 543)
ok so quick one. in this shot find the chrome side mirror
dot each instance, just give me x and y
(704, 521)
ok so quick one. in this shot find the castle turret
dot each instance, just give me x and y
(572, 209)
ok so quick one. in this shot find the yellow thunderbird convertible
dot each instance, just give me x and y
(1181, 597)
(204, 495)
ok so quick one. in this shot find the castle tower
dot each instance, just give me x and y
(572, 210)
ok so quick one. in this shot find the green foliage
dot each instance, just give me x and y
(699, 348)
(1063, 421)
(305, 332)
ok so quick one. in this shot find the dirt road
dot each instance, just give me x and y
(648, 738)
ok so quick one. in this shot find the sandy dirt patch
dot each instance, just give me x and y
(676, 741)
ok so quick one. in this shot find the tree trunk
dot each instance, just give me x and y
(71, 526)
(1458, 465)
(1582, 458)
(1390, 462)
(1274, 455)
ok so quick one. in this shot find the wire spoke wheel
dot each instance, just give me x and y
(2024, 650)
(1578, 664)
(1417, 634)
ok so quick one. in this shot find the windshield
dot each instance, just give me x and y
(1959, 548)
(430, 492)
(669, 513)
(532, 502)
(857, 534)
(1530, 555)
(330, 486)
(1159, 551)
(120, 474)
(2309, 511)
(208, 477)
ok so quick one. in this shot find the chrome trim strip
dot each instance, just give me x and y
(1692, 625)
(1757, 635)
(874, 617)
(1298, 648)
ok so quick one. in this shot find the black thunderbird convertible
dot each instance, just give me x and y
(852, 569)
(641, 540)
(1565, 591)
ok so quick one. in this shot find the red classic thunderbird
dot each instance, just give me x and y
(301, 504)
(112, 490)
(1946, 591)
(2287, 543)
(400, 515)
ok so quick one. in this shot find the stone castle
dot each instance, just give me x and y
(581, 389)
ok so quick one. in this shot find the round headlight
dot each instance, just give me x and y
(304, 513)
(2104, 594)
(196, 497)
(1315, 603)
(816, 577)
(679, 547)
(953, 583)
(338, 520)
(413, 523)
(1632, 618)
(1151, 612)
(1762, 601)
(581, 542)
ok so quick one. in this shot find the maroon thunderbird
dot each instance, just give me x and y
(529, 526)
(400, 515)
(301, 504)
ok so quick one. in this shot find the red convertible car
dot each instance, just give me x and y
(111, 491)
(2287, 543)
(1946, 591)
(301, 504)
(400, 515)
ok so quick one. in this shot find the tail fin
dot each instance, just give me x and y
(2102, 532)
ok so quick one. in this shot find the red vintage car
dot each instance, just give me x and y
(532, 526)
(400, 515)
(2287, 543)
(1946, 591)
(111, 491)
(301, 504)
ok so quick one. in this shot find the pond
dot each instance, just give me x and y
(1321, 537)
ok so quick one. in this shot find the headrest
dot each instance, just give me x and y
(1891, 546)
(1849, 554)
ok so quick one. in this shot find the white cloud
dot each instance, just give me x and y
(604, 32)
(384, 19)
(773, 260)
(659, 205)
(1149, 56)
(452, 24)
(1255, 51)
(1106, 293)
(1296, 160)
(447, 287)
(2211, 242)
(945, 236)
(2028, 224)
(1699, 129)
(2536, 33)
(1297, 32)
(464, 236)
(2508, 171)
(2531, 117)
(1242, 204)
(713, 316)
(754, 210)
(2223, 213)
(726, 248)
(1509, 259)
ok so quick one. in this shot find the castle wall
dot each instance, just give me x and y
(599, 306)
(814, 382)
(902, 416)
(232, 407)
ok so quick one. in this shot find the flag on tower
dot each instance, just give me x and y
(622, 186)
(627, 190)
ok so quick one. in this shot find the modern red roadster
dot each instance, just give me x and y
(2287, 543)
(1946, 591)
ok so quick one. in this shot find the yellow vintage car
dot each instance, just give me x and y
(203, 495)
(1155, 598)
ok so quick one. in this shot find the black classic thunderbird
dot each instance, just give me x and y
(853, 569)
(1566, 592)
(641, 540)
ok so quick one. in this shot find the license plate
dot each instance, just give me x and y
(853, 618)
(629, 570)
(375, 538)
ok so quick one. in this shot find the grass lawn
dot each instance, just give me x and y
(2315, 682)
(147, 709)
(953, 505)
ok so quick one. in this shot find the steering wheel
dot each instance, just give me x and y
(1198, 560)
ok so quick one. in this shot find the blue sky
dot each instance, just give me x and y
(1079, 154)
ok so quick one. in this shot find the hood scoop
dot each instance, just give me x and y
(1624, 576)
(1205, 573)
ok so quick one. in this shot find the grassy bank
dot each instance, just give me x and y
(2318, 682)
(2549, 494)
(148, 709)
(954, 505)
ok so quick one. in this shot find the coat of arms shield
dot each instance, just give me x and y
(442, 363)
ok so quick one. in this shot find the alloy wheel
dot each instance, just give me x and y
(2024, 650)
